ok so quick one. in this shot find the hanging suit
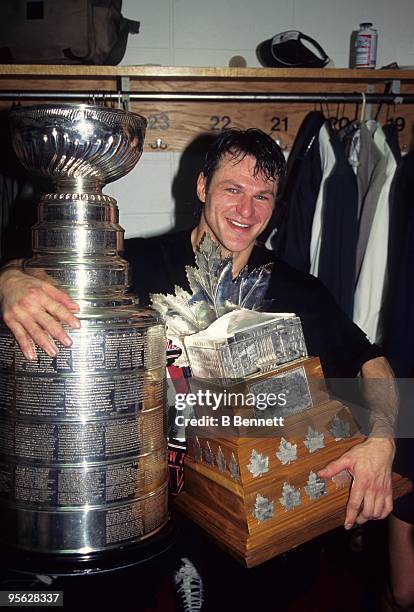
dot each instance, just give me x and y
(335, 223)
(399, 323)
(296, 203)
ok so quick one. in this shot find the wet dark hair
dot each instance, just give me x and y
(270, 161)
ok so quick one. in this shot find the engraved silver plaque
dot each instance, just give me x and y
(76, 485)
(82, 435)
(291, 387)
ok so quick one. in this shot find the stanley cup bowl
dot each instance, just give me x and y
(77, 144)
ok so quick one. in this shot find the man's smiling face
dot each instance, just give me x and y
(238, 204)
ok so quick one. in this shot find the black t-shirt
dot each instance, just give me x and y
(158, 264)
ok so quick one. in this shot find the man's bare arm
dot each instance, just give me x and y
(370, 463)
(381, 397)
(34, 310)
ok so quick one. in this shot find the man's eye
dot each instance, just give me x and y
(232, 190)
(262, 198)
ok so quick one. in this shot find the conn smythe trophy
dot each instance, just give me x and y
(251, 483)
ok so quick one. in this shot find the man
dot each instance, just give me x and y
(237, 189)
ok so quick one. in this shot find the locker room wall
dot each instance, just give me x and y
(199, 33)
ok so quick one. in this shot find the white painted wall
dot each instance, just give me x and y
(209, 33)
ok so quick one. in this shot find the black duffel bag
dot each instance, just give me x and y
(63, 31)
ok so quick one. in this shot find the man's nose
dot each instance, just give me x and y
(245, 207)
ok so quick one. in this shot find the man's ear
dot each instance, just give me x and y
(201, 187)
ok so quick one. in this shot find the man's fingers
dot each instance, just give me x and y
(388, 506)
(383, 503)
(37, 310)
(369, 464)
(42, 339)
(379, 507)
(61, 313)
(36, 331)
(37, 300)
(33, 330)
(54, 329)
(368, 509)
(354, 504)
(375, 507)
(377, 500)
(334, 467)
(60, 296)
(23, 340)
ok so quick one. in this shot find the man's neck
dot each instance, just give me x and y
(240, 258)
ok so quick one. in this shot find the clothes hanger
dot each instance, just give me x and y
(346, 133)
(363, 107)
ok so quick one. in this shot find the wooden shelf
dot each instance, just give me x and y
(177, 123)
(173, 72)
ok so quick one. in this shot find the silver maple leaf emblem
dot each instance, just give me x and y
(220, 460)
(264, 509)
(197, 450)
(208, 455)
(290, 497)
(259, 464)
(315, 487)
(314, 440)
(339, 428)
(234, 468)
(287, 452)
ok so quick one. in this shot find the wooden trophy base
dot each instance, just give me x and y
(293, 529)
(258, 497)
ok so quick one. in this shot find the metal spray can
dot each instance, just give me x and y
(366, 46)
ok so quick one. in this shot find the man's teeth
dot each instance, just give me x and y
(239, 224)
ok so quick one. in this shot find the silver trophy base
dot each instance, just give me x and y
(115, 560)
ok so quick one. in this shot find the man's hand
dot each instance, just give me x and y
(34, 310)
(371, 493)
(370, 463)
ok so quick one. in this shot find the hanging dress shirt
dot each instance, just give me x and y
(371, 173)
(371, 279)
(328, 161)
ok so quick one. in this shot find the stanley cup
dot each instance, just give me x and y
(82, 435)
